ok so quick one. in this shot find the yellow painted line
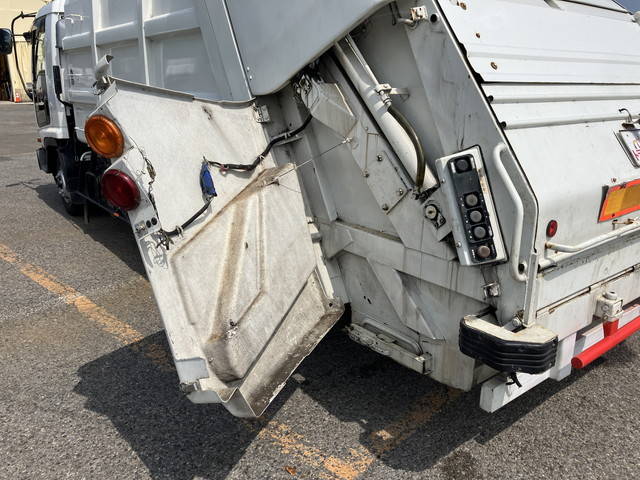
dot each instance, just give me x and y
(420, 413)
(360, 458)
(118, 329)
(293, 444)
(393, 435)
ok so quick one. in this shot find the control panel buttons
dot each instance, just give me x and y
(480, 232)
(472, 215)
(483, 252)
(462, 165)
(476, 216)
(471, 200)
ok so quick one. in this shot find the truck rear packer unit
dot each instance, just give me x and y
(462, 176)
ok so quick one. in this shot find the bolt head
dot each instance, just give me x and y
(431, 212)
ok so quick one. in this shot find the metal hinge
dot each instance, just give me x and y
(262, 113)
(609, 307)
(418, 13)
(389, 90)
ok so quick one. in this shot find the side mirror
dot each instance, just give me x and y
(6, 41)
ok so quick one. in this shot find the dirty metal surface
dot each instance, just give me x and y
(89, 390)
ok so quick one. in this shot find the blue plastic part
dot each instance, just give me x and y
(206, 182)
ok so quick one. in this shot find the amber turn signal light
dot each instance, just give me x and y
(104, 136)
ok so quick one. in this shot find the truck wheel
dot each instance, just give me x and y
(72, 209)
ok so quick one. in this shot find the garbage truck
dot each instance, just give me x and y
(461, 177)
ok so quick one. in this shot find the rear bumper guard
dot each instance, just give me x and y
(613, 336)
(531, 350)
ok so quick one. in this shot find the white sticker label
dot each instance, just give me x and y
(630, 139)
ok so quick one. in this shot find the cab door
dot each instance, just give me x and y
(40, 93)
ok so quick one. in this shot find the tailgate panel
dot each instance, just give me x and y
(238, 289)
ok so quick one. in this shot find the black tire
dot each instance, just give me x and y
(73, 209)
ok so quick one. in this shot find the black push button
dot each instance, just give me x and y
(462, 165)
(479, 232)
(476, 216)
(471, 200)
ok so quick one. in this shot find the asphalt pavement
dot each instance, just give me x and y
(89, 391)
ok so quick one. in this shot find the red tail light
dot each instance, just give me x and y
(120, 190)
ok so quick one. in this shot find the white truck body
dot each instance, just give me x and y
(540, 96)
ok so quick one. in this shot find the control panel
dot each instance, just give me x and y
(474, 222)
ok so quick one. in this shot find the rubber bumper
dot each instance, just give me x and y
(508, 352)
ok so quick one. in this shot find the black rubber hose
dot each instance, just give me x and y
(193, 218)
(422, 163)
(272, 143)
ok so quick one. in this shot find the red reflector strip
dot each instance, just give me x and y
(620, 200)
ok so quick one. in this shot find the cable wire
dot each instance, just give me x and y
(272, 143)
(178, 230)
(167, 235)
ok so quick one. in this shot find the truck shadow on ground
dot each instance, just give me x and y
(179, 440)
(112, 233)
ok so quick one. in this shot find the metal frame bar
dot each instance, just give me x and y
(517, 271)
(569, 251)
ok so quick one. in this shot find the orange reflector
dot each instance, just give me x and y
(104, 136)
(620, 200)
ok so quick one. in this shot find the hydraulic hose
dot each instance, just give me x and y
(394, 125)
(248, 167)
(413, 136)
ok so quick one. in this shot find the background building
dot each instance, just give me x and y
(10, 86)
